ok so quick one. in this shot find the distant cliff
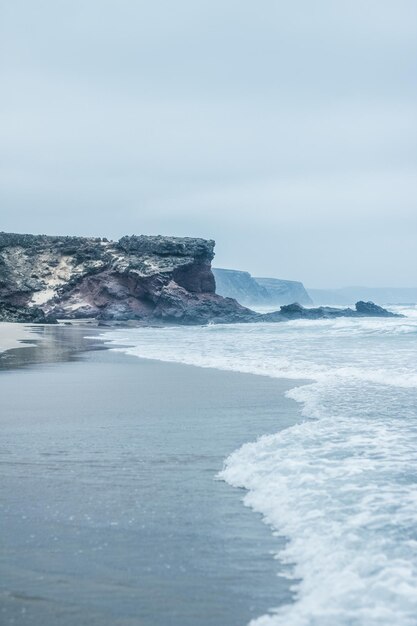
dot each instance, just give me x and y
(241, 286)
(252, 291)
(284, 291)
(43, 278)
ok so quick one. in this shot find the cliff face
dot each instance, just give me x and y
(137, 277)
(151, 279)
(284, 291)
(241, 286)
(252, 291)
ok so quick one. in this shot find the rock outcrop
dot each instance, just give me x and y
(43, 278)
(23, 314)
(296, 312)
(149, 279)
(262, 292)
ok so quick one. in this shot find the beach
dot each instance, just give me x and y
(12, 335)
(340, 485)
(111, 510)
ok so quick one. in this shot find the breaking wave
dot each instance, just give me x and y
(341, 486)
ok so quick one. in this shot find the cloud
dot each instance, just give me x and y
(251, 124)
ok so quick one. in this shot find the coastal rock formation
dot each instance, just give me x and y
(22, 314)
(149, 279)
(252, 291)
(296, 312)
(43, 278)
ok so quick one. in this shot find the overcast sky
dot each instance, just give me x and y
(284, 130)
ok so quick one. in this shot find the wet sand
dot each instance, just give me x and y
(13, 335)
(111, 513)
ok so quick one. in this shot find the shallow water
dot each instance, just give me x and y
(111, 513)
(342, 485)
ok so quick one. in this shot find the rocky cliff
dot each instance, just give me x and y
(150, 279)
(43, 278)
(241, 286)
(252, 291)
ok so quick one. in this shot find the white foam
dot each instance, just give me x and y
(342, 487)
(339, 489)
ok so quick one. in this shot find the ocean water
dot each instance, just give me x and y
(341, 486)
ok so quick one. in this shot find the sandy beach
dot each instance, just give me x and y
(111, 510)
(12, 335)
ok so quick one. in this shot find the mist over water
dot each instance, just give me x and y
(341, 485)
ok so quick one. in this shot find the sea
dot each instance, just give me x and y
(340, 485)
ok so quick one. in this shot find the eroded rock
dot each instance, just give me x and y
(138, 277)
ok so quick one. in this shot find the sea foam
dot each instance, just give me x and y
(342, 485)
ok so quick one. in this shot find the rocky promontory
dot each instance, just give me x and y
(169, 279)
(147, 279)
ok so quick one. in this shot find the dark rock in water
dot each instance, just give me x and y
(138, 277)
(370, 309)
(296, 312)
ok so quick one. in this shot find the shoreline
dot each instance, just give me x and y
(115, 426)
(31, 345)
(15, 335)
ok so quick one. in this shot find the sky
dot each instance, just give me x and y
(286, 131)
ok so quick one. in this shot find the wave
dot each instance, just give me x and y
(341, 492)
(342, 485)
